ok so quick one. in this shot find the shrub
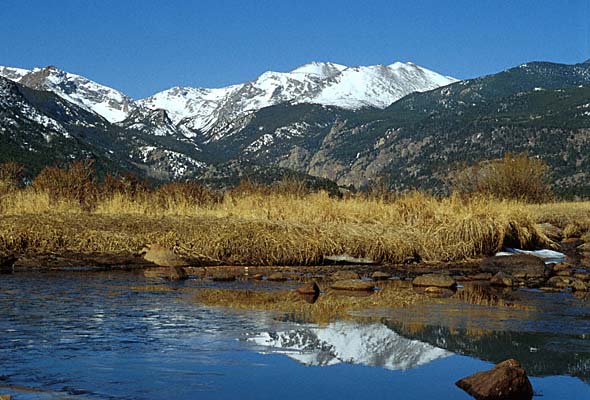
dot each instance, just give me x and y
(11, 176)
(76, 183)
(188, 193)
(517, 177)
(127, 185)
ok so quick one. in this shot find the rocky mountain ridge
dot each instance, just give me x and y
(416, 142)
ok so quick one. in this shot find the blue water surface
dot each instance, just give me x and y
(95, 336)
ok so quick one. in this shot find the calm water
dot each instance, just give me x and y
(80, 336)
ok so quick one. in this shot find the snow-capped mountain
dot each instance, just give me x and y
(102, 100)
(322, 83)
(353, 343)
(197, 110)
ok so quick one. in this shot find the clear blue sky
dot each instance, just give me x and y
(144, 46)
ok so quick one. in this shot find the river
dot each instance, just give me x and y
(101, 336)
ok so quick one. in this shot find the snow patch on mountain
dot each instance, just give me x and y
(322, 83)
(12, 73)
(352, 343)
(109, 103)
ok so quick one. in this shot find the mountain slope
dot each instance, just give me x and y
(419, 140)
(322, 83)
(102, 100)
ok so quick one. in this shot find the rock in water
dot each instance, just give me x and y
(353, 284)
(525, 265)
(309, 288)
(277, 277)
(344, 275)
(163, 257)
(7, 263)
(502, 279)
(436, 280)
(380, 276)
(506, 381)
(168, 273)
(309, 292)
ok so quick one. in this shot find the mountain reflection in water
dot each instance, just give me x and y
(112, 336)
(347, 342)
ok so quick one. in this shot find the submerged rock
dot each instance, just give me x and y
(438, 292)
(277, 277)
(502, 279)
(506, 381)
(168, 273)
(380, 276)
(436, 280)
(353, 284)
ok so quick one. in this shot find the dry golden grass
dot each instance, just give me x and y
(572, 217)
(270, 228)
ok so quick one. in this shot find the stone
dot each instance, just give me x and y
(551, 231)
(482, 276)
(380, 276)
(437, 280)
(502, 279)
(524, 265)
(344, 275)
(7, 264)
(257, 277)
(309, 288)
(5, 397)
(560, 282)
(583, 276)
(562, 266)
(565, 272)
(353, 284)
(506, 381)
(163, 257)
(168, 273)
(579, 286)
(277, 277)
(438, 292)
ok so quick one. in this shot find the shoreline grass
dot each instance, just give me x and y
(270, 228)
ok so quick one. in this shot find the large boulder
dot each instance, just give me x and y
(436, 280)
(167, 273)
(353, 284)
(163, 257)
(523, 266)
(506, 381)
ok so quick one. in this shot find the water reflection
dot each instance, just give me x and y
(353, 343)
(91, 336)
